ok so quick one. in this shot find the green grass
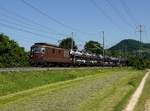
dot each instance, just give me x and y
(86, 90)
(11, 82)
(114, 97)
(145, 98)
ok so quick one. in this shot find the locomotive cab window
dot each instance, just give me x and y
(38, 50)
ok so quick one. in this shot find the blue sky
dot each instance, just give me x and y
(82, 15)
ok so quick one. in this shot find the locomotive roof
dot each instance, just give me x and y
(47, 44)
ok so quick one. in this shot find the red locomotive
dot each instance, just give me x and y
(48, 55)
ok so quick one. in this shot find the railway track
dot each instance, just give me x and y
(43, 69)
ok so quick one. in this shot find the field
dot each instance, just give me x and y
(11, 82)
(68, 90)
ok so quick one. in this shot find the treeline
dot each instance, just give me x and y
(11, 54)
(139, 62)
(136, 59)
(137, 53)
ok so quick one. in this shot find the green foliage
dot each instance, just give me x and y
(94, 47)
(67, 43)
(139, 63)
(114, 53)
(11, 54)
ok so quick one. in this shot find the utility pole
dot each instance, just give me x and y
(72, 46)
(72, 34)
(103, 35)
(140, 29)
(126, 50)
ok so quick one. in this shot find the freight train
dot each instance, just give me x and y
(44, 54)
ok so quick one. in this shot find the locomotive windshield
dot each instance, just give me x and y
(38, 50)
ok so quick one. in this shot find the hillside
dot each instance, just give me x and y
(130, 45)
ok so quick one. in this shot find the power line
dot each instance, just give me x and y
(29, 25)
(20, 25)
(121, 16)
(26, 31)
(105, 14)
(129, 12)
(52, 18)
(24, 24)
(29, 21)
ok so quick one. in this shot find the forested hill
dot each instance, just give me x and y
(130, 45)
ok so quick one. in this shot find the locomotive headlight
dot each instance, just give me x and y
(43, 50)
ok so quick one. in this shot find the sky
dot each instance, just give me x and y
(54, 20)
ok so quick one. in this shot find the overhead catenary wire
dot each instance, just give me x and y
(26, 31)
(54, 19)
(129, 12)
(106, 15)
(25, 23)
(121, 16)
(22, 25)
(17, 22)
(25, 28)
(29, 22)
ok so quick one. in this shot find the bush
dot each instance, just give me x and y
(139, 63)
(11, 54)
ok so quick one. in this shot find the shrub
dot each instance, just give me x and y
(11, 54)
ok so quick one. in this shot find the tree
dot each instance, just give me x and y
(68, 43)
(94, 47)
(11, 54)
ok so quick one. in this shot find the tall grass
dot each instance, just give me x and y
(116, 95)
(11, 82)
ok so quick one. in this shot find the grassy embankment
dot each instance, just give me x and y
(144, 101)
(82, 90)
